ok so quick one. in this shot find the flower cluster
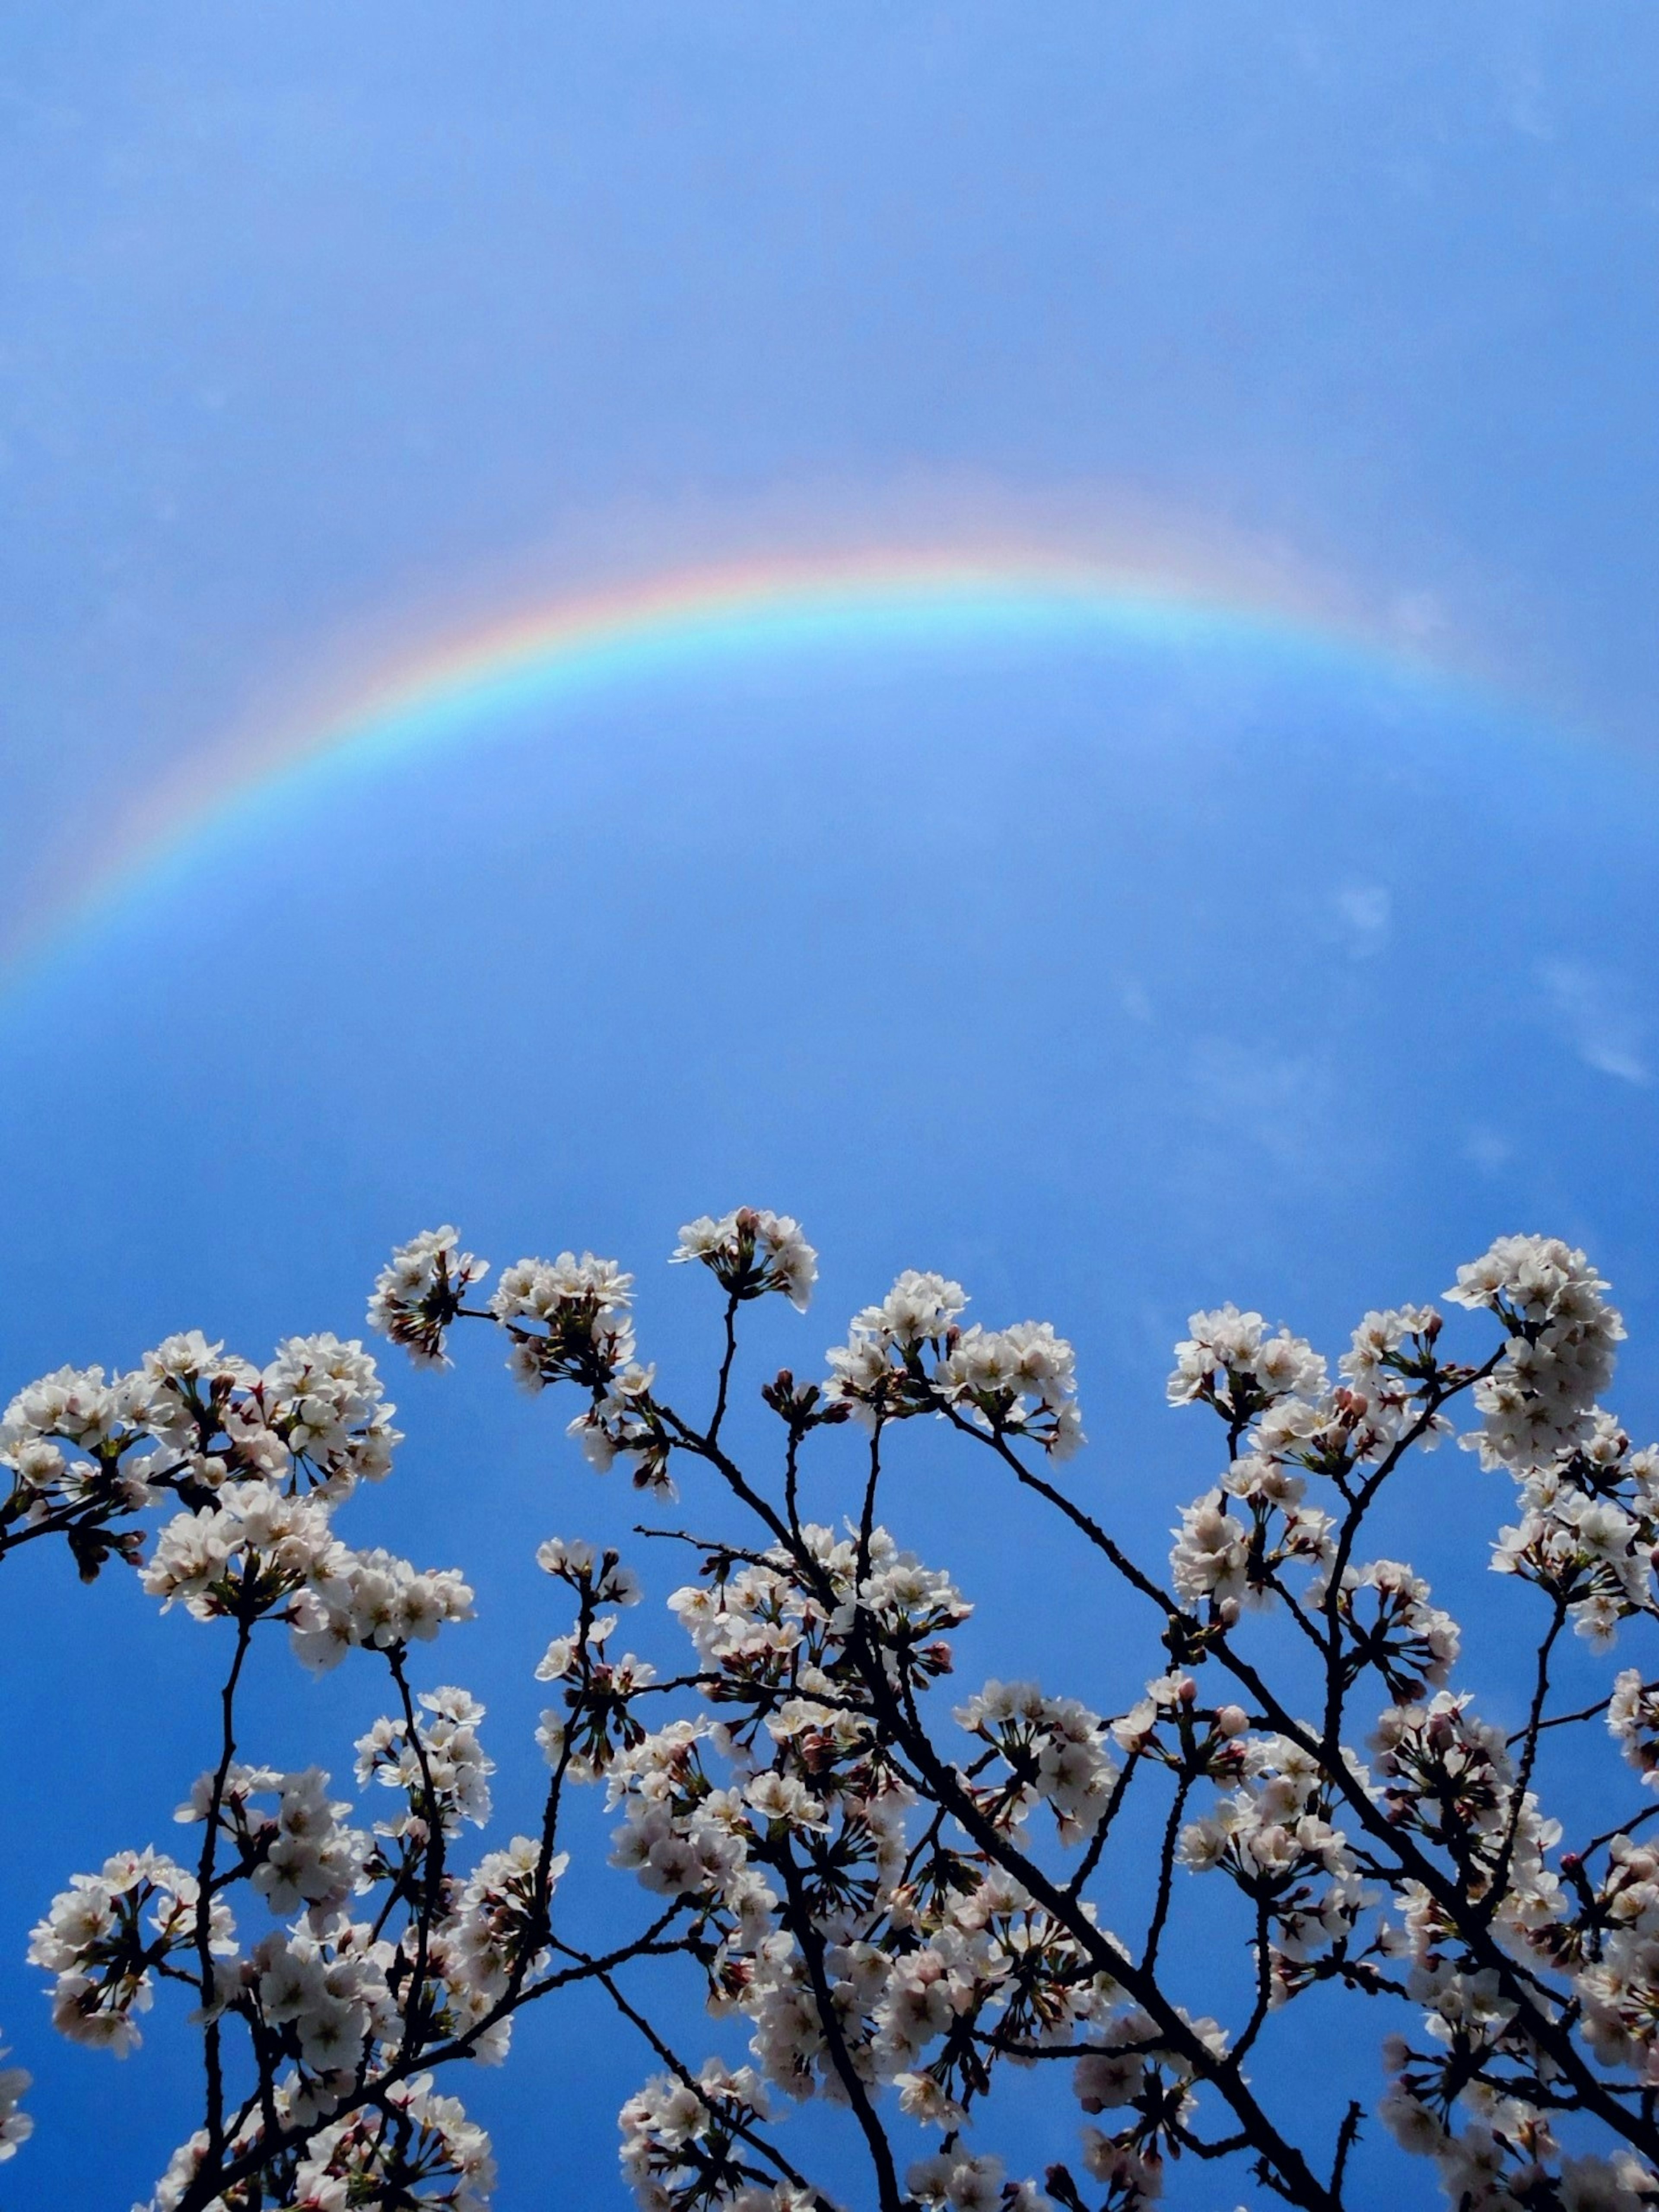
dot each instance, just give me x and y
(243, 1555)
(750, 1252)
(1228, 1559)
(419, 2152)
(374, 1600)
(1284, 1424)
(1589, 1521)
(782, 1826)
(438, 1763)
(1633, 1723)
(1448, 1776)
(16, 2125)
(597, 1690)
(84, 1449)
(909, 1356)
(320, 1998)
(314, 1418)
(686, 2142)
(1559, 1357)
(431, 2156)
(569, 1320)
(1389, 1625)
(1052, 1751)
(598, 1578)
(1509, 2153)
(497, 1931)
(107, 1935)
(327, 1999)
(1231, 1362)
(970, 2181)
(1274, 1836)
(1284, 1420)
(419, 1291)
(886, 1914)
(298, 1855)
(106, 1475)
(1138, 2070)
(256, 1551)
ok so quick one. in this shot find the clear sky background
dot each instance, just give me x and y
(1114, 968)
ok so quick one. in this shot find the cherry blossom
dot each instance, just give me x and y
(750, 1251)
(892, 1902)
(16, 2125)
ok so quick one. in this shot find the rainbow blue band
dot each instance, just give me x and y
(587, 647)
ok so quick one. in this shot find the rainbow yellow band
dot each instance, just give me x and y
(850, 602)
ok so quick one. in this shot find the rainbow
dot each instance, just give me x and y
(442, 698)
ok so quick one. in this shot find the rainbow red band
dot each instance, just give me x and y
(585, 643)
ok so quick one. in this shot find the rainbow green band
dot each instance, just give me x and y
(586, 645)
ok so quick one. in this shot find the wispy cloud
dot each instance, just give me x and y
(1366, 915)
(1524, 102)
(1277, 1101)
(1592, 1010)
(1487, 1150)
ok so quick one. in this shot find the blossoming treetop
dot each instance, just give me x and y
(905, 1905)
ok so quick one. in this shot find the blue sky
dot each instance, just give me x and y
(319, 323)
(1114, 980)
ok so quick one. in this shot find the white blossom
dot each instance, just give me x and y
(1560, 1354)
(374, 1600)
(860, 1896)
(16, 2125)
(419, 1291)
(1633, 1723)
(751, 1251)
